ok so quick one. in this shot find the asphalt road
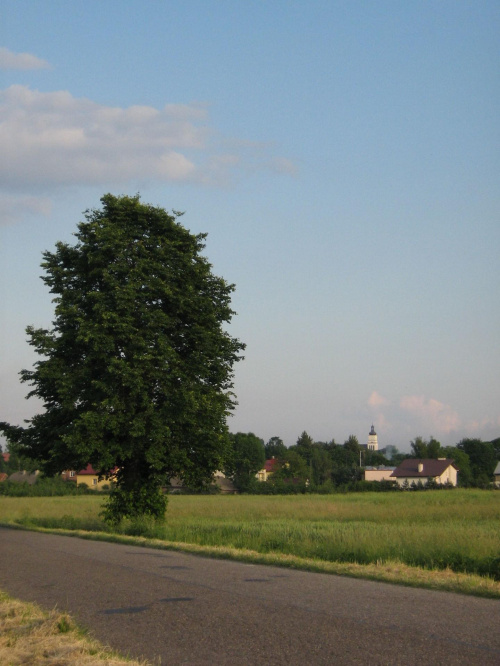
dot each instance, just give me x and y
(185, 609)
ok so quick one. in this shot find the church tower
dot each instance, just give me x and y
(372, 440)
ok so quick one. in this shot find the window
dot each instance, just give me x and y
(94, 482)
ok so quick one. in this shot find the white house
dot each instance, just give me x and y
(442, 471)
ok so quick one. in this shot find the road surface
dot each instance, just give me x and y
(185, 609)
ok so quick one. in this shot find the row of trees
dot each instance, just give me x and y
(320, 463)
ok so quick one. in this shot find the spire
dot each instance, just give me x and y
(372, 431)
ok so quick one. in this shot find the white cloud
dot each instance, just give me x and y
(437, 415)
(415, 415)
(377, 400)
(11, 60)
(52, 139)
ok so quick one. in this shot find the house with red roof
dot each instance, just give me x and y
(269, 467)
(441, 470)
(91, 478)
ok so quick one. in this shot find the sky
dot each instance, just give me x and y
(343, 157)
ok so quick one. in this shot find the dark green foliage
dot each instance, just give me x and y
(426, 449)
(246, 459)
(352, 444)
(419, 448)
(482, 458)
(293, 468)
(305, 447)
(137, 371)
(496, 445)
(461, 459)
(43, 487)
(275, 448)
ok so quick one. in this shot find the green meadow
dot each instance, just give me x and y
(414, 538)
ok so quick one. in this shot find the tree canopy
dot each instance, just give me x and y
(136, 373)
(247, 458)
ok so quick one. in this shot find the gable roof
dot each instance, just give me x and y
(431, 467)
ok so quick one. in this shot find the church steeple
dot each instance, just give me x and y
(372, 440)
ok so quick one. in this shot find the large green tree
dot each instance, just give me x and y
(136, 373)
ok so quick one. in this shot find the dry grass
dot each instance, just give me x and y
(30, 635)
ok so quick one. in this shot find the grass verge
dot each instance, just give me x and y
(30, 635)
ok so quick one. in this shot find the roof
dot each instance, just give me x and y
(497, 469)
(6, 456)
(89, 470)
(270, 464)
(431, 467)
(3, 476)
(24, 477)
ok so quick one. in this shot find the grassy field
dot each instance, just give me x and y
(415, 538)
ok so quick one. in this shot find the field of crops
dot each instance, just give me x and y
(457, 530)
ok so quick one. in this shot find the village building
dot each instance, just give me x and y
(380, 473)
(91, 478)
(412, 470)
(497, 475)
(372, 440)
(269, 467)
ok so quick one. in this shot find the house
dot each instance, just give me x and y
(441, 470)
(225, 485)
(497, 475)
(69, 475)
(380, 473)
(269, 467)
(91, 478)
(24, 477)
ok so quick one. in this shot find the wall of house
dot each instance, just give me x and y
(92, 481)
(448, 476)
(378, 475)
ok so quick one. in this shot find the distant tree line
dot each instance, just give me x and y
(310, 466)
(307, 466)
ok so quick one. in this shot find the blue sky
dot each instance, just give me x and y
(343, 158)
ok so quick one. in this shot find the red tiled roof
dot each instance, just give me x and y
(88, 470)
(431, 467)
(91, 471)
(270, 465)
